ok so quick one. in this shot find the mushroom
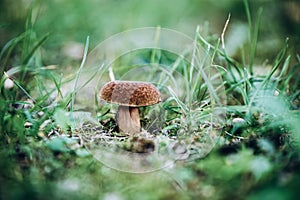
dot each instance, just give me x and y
(130, 95)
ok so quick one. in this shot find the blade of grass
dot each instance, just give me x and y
(23, 90)
(254, 40)
(192, 65)
(183, 107)
(156, 40)
(246, 85)
(210, 87)
(230, 62)
(196, 83)
(78, 74)
(284, 69)
(27, 43)
(266, 80)
(253, 33)
(57, 84)
(276, 65)
(168, 73)
(9, 47)
(248, 14)
(39, 43)
(188, 98)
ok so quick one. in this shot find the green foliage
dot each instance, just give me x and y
(235, 165)
(59, 144)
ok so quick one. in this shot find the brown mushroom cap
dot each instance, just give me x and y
(130, 93)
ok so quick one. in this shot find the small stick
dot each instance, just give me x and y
(111, 74)
(223, 32)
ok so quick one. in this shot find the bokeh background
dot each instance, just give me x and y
(69, 22)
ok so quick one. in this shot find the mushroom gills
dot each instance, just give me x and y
(128, 119)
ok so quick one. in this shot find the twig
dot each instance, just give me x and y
(223, 32)
(111, 74)
(234, 136)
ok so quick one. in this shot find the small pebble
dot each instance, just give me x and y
(8, 84)
(27, 124)
(238, 120)
(276, 92)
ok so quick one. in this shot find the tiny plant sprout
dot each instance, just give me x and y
(130, 95)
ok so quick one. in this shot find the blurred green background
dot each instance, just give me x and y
(73, 20)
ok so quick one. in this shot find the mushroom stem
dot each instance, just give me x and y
(128, 119)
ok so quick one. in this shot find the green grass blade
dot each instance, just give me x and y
(277, 63)
(254, 40)
(192, 65)
(24, 91)
(155, 51)
(210, 88)
(248, 14)
(182, 105)
(33, 50)
(9, 47)
(78, 74)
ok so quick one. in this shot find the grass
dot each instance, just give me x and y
(223, 132)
